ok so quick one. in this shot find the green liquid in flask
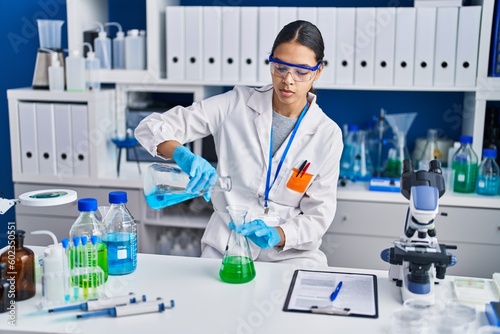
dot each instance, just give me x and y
(237, 269)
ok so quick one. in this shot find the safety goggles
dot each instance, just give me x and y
(299, 72)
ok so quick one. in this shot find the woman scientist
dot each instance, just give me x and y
(279, 148)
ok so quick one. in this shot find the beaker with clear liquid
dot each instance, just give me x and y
(237, 264)
(165, 185)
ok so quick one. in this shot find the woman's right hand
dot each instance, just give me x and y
(203, 174)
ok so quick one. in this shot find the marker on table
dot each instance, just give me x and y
(335, 293)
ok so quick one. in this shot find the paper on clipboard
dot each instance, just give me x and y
(310, 289)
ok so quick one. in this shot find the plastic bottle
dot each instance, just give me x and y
(488, 174)
(21, 262)
(465, 166)
(102, 47)
(56, 74)
(135, 58)
(118, 47)
(75, 72)
(431, 150)
(92, 64)
(5, 298)
(121, 237)
(55, 275)
(88, 224)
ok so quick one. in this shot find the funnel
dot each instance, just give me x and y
(400, 124)
(49, 33)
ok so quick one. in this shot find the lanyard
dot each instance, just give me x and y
(269, 185)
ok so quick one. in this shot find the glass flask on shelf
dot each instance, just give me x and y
(431, 150)
(237, 264)
(361, 164)
(165, 185)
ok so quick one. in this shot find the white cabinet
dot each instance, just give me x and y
(361, 230)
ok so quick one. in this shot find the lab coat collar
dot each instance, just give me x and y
(261, 103)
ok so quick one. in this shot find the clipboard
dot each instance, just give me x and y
(310, 292)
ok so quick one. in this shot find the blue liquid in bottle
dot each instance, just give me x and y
(121, 250)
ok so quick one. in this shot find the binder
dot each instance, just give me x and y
(384, 46)
(286, 15)
(495, 48)
(327, 24)
(64, 140)
(45, 139)
(446, 46)
(308, 14)
(268, 29)
(193, 18)
(425, 37)
(404, 56)
(469, 25)
(175, 53)
(249, 45)
(230, 43)
(79, 131)
(364, 54)
(344, 65)
(28, 138)
(212, 43)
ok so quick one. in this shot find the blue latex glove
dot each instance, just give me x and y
(202, 173)
(260, 233)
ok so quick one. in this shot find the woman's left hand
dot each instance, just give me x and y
(259, 232)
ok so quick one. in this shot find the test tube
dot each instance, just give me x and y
(97, 280)
(75, 278)
(66, 273)
(86, 270)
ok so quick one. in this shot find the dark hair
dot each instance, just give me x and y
(304, 33)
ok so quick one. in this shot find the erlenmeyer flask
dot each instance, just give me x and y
(165, 185)
(237, 265)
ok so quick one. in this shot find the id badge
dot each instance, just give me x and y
(270, 219)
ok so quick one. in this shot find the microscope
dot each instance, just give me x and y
(415, 256)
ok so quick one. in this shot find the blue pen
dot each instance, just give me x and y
(335, 293)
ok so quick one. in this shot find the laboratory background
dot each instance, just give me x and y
(427, 115)
(443, 112)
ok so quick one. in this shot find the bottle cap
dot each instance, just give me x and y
(20, 233)
(102, 35)
(90, 55)
(87, 204)
(120, 35)
(352, 127)
(117, 197)
(489, 153)
(133, 32)
(466, 139)
(55, 60)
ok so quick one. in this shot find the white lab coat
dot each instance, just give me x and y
(240, 122)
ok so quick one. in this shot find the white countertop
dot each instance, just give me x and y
(205, 304)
